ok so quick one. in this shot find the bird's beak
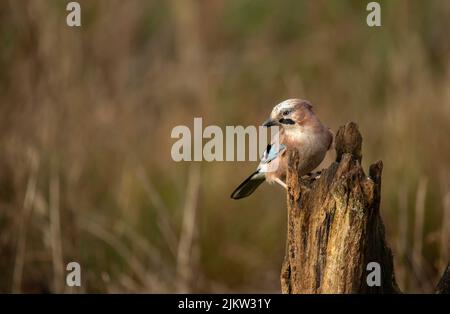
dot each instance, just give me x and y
(270, 122)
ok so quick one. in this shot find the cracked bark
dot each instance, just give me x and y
(334, 225)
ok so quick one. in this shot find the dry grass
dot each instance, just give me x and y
(95, 107)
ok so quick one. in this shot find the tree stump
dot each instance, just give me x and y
(334, 225)
(443, 286)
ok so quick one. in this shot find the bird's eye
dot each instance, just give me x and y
(286, 112)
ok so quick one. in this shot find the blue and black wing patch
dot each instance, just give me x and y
(255, 179)
(271, 153)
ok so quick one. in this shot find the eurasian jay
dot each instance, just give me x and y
(301, 130)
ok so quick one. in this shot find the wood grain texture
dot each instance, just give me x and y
(334, 225)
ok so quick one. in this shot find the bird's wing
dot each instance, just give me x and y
(271, 153)
(332, 139)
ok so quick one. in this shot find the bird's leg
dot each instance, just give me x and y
(280, 182)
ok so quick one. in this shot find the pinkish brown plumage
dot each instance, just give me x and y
(301, 130)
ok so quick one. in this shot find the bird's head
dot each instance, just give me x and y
(291, 114)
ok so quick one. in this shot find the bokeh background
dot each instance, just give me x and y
(86, 116)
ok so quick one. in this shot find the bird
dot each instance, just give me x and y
(299, 129)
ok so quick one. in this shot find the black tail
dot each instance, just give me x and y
(248, 186)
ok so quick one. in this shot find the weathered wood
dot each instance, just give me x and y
(443, 287)
(334, 225)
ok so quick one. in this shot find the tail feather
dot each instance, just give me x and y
(248, 186)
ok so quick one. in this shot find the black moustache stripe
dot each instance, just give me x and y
(286, 121)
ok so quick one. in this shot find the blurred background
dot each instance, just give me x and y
(86, 116)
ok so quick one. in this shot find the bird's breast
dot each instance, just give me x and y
(311, 147)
